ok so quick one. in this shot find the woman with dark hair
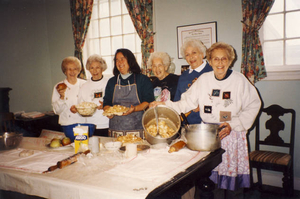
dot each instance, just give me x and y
(128, 88)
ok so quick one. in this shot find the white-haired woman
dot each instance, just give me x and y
(194, 52)
(164, 84)
(93, 91)
(225, 97)
(63, 97)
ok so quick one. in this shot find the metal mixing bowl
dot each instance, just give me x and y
(10, 140)
(167, 114)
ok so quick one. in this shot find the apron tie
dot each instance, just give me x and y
(129, 85)
(119, 82)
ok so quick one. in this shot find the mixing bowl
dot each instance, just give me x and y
(164, 113)
(10, 140)
(86, 108)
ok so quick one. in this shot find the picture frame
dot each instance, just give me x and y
(206, 32)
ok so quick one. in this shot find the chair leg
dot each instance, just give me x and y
(288, 182)
(259, 179)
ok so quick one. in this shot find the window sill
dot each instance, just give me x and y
(282, 75)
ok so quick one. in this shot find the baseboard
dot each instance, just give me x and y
(274, 179)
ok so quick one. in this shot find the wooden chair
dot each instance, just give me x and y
(263, 157)
(7, 122)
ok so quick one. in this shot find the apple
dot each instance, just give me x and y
(65, 141)
(55, 143)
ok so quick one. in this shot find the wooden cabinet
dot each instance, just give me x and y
(4, 100)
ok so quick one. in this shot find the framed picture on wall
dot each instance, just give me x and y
(206, 32)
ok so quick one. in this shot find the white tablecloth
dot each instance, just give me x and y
(107, 175)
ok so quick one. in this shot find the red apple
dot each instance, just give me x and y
(65, 141)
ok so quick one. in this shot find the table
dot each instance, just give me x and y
(98, 184)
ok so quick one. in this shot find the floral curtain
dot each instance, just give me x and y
(254, 14)
(140, 12)
(81, 12)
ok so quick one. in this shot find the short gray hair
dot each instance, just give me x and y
(196, 43)
(165, 57)
(96, 58)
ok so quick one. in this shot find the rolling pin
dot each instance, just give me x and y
(65, 162)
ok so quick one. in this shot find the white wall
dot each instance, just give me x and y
(172, 13)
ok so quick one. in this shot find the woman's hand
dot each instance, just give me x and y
(130, 110)
(226, 129)
(196, 109)
(61, 93)
(73, 109)
(100, 106)
(107, 107)
(156, 103)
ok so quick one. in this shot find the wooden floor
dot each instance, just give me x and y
(269, 192)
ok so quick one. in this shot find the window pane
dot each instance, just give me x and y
(293, 52)
(115, 7)
(124, 8)
(129, 42)
(104, 8)
(292, 24)
(95, 12)
(273, 27)
(138, 43)
(94, 29)
(277, 6)
(105, 46)
(109, 63)
(292, 5)
(273, 53)
(94, 46)
(116, 27)
(104, 27)
(138, 57)
(127, 25)
(117, 42)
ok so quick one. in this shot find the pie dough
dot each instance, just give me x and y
(129, 138)
(26, 153)
(115, 110)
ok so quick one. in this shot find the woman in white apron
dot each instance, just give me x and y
(128, 88)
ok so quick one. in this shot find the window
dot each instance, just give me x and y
(111, 28)
(280, 37)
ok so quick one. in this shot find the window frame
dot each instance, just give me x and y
(282, 72)
(86, 48)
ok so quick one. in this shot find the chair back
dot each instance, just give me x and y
(275, 133)
(7, 122)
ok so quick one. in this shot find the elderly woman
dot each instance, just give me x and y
(193, 51)
(128, 88)
(93, 91)
(228, 98)
(164, 84)
(65, 93)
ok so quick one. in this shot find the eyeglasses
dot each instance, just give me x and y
(217, 59)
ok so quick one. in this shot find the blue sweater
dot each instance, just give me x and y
(185, 81)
